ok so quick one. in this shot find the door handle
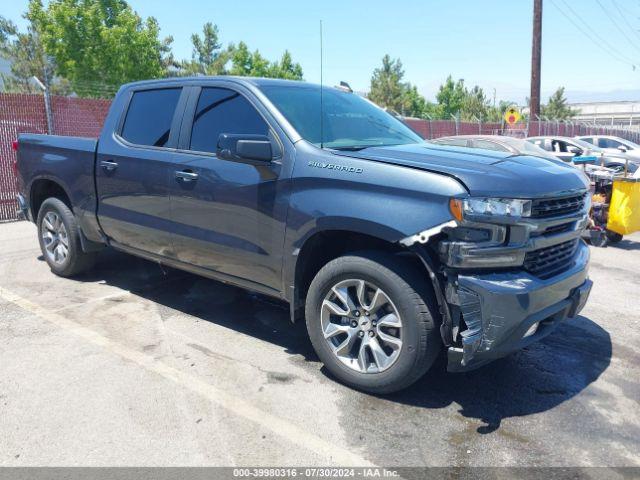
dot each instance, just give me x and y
(108, 165)
(186, 175)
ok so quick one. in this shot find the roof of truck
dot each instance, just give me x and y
(257, 81)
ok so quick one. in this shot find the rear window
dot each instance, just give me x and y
(148, 120)
(452, 142)
(485, 144)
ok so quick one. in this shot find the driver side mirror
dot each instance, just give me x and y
(622, 148)
(244, 147)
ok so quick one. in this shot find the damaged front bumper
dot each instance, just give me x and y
(506, 311)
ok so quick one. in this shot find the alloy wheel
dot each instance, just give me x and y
(361, 325)
(55, 238)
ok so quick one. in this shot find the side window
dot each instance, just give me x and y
(489, 145)
(542, 144)
(608, 143)
(148, 120)
(219, 111)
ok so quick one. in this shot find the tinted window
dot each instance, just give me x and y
(542, 144)
(608, 143)
(223, 111)
(149, 117)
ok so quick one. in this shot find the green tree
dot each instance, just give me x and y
(28, 60)
(454, 98)
(557, 107)
(451, 97)
(475, 105)
(99, 44)
(246, 63)
(389, 91)
(208, 57)
(285, 68)
(253, 64)
(211, 58)
(413, 104)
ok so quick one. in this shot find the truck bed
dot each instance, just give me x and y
(69, 160)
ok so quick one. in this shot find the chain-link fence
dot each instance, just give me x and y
(27, 113)
(430, 129)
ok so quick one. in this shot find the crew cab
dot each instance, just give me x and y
(391, 249)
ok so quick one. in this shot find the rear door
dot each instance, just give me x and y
(229, 215)
(133, 167)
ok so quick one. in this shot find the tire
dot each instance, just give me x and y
(66, 230)
(613, 237)
(410, 296)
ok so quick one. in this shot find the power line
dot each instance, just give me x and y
(617, 25)
(630, 11)
(615, 4)
(612, 49)
(586, 33)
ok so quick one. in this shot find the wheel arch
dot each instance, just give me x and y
(44, 187)
(322, 246)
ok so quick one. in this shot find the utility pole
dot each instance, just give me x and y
(536, 47)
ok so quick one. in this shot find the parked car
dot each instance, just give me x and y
(390, 247)
(499, 143)
(568, 149)
(611, 144)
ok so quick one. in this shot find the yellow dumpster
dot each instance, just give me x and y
(624, 209)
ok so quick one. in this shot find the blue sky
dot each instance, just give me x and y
(485, 42)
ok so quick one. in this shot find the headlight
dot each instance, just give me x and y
(505, 207)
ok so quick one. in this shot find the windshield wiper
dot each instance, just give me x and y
(357, 148)
(353, 148)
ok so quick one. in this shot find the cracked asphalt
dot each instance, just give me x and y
(130, 365)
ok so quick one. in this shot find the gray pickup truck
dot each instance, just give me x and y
(392, 249)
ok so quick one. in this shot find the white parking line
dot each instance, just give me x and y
(92, 300)
(333, 453)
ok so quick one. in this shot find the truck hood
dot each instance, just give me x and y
(484, 172)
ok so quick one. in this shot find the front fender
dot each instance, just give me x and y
(389, 202)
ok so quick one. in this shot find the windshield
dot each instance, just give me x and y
(628, 143)
(586, 145)
(531, 149)
(348, 121)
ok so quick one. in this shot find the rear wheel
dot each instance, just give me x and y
(60, 239)
(369, 317)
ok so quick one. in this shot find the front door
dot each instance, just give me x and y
(133, 170)
(229, 215)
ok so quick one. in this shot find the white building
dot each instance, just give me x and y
(621, 113)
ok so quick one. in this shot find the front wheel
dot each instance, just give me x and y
(370, 317)
(60, 239)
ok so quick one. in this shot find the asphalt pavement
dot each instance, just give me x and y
(131, 364)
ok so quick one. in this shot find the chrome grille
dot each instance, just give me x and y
(549, 261)
(554, 207)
